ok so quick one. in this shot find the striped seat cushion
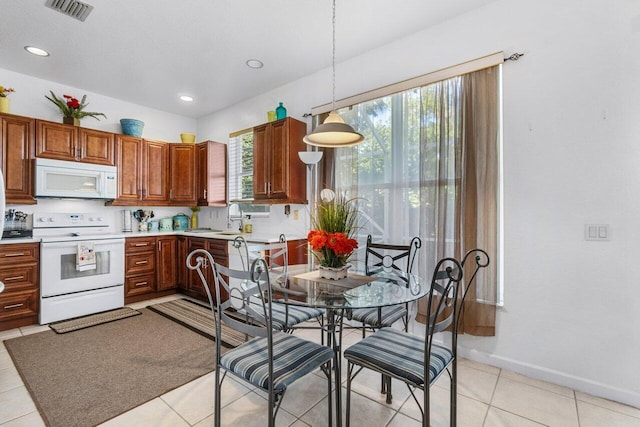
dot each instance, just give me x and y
(293, 358)
(398, 354)
(389, 315)
(282, 322)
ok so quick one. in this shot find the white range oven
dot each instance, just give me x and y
(81, 265)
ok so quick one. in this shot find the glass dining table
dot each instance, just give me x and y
(363, 288)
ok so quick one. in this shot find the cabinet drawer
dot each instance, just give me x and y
(140, 284)
(140, 244)
(14, 305)
(140, 263)
(14, 254)
(19, 278)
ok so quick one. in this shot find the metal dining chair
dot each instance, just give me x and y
(393, 259)
(271, 361)
(286, 317)
(408, 358)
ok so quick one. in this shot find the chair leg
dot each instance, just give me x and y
(453, 398)
(217, 398)
(329, 398)
(348, 400)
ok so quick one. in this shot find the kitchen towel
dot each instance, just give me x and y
(86, 257)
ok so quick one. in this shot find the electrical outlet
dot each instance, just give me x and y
(296, 214)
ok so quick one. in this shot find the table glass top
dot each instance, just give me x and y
(362, 289)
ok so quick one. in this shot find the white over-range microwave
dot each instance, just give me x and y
(61, 179)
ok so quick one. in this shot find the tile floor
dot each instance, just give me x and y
(487, 396)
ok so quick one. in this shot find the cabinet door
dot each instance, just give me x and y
(211, 182)
(96, 147)
(181, 268)
(56, 141)
(279, 151)
(166, 265)
(194, 284)
(128, 158)
(183, 174)
(155, 172)
(18, 138)
(261, 159)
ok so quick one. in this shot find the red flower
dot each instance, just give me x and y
(317, 239)
(72, 102)
(340, 244)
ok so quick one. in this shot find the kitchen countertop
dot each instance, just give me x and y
(249, 237)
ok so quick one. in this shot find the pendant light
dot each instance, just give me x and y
(334, 132)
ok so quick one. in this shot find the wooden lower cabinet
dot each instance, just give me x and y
(150, 267)
(19, 271)
(167, 263)
(218, 249)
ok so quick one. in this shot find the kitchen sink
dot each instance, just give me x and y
(202, 230)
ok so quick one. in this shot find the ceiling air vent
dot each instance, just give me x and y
(73, 8)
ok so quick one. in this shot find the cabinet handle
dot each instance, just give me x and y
(269, 192)
(159, 247)
(6, 279)
(204, 193)
(171, 193)
(265, 187)
(141, 262)
(13, 255)
(142, 244)
(8, 307)
(141, 283)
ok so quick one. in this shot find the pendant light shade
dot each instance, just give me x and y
(334, 132)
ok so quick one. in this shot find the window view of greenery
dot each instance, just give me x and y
(241, 172)
(385, 170)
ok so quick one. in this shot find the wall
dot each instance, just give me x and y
(29, 100)
(572, 307)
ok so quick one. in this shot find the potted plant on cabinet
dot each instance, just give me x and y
(73, 110)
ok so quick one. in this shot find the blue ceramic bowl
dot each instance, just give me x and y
(132, 127)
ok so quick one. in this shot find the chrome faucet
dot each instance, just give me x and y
(230, 218)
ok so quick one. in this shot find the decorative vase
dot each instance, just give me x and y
(194, 220)
(132, 127)
(188, 138)
(71, 121)
(4, 104)
(334, 273)
(281, 112)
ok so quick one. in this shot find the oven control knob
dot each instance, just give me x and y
(91, 219)
(42, 219)
(100, 219)
(52, 219)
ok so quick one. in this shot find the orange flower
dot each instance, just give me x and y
(317, 239)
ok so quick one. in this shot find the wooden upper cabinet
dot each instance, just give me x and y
(17, 149)
(128, 160)
(211, 173)
(72, 143)
(155, 172)
(279, 176)
(96, 147)
(182, 180)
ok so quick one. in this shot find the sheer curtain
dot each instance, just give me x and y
(429, 168)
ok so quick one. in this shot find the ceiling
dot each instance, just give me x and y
(149, 52)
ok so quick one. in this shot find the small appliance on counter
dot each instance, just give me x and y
(16, 225)
(180, 222)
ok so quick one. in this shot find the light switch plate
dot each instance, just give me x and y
(597, 232)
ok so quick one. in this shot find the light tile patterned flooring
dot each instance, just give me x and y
(487, 396)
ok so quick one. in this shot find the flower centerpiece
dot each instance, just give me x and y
(331, 240)
(4, 101)
(73, 110)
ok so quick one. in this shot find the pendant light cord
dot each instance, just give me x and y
(333, 57)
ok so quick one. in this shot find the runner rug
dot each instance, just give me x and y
(199, 318)
(64, 326)
(94, 374)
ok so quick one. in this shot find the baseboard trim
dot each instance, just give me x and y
(594, 388)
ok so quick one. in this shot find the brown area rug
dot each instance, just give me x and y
(91, 375)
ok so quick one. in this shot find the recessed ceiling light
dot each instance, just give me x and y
(36, 51)
(186, 98)
(254, 63)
